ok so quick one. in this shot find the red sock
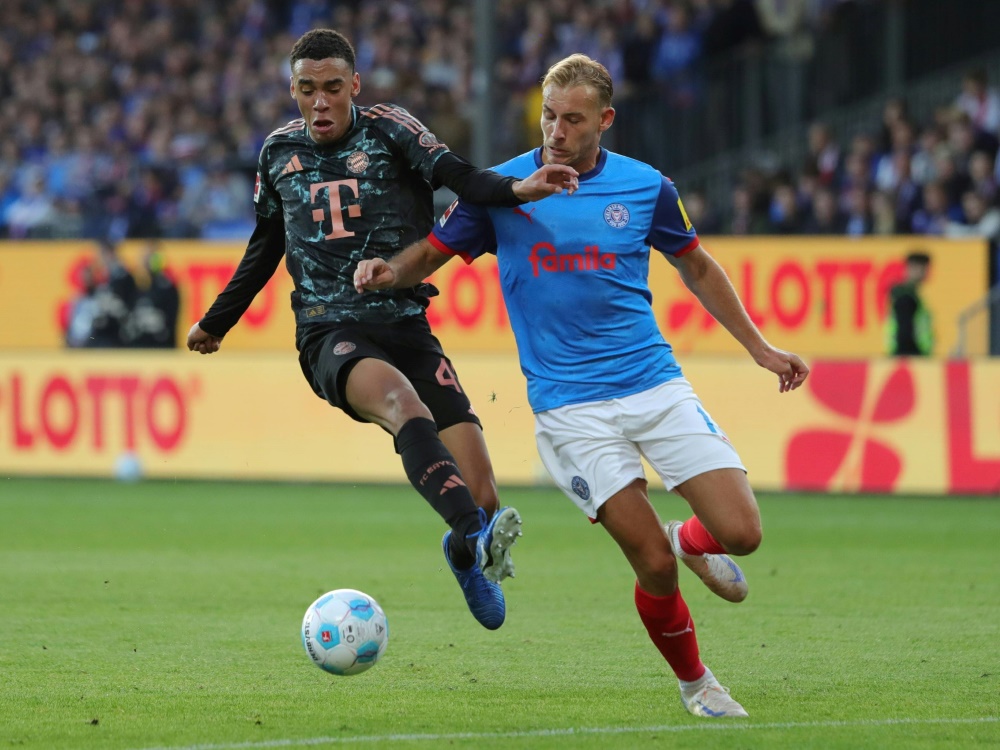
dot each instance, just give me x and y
(695, 539)
(671, 629)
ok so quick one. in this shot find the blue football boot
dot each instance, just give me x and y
(494, 543)
(485, 599)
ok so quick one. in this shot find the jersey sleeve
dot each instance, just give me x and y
(419, 146)
(671, 232)
(464, 230)
(267, 202)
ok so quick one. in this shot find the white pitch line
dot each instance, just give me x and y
(569, 732)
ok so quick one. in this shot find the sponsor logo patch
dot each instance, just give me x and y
(344, 347)
(580, 487)
(256, 189)
(616, 215)
(358, 162)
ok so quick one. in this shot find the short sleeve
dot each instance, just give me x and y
(464, 230)
(266, 200)
(419, 146)
(671, 232)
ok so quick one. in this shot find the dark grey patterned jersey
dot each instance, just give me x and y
(368, 195)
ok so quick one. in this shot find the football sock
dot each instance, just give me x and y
(671, 629)
(432, 471)
(690, 688)
(695, 539)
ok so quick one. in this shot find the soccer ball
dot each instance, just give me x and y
(345, 632)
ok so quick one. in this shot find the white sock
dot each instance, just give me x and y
(690, 688)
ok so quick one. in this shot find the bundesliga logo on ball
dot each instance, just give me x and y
(345, 632)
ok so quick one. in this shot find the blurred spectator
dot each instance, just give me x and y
(825, 218)
(673, 66)
(152, 323)
(783, 215)
(933, 217)
(83, 310)
(702, 218)
(908, 324)
(746, 219)
(883, 211)
(980, 219)
(824, 153)
(114, 294)
(31, 213)
(980, 101)
(982, 177)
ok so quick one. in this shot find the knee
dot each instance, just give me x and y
(660, 564)
(743, 541)
(401, 405)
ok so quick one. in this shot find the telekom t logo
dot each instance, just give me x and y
(333, 197)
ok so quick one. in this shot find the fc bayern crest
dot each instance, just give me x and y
(581, 488)
(344, 347)
(616, 215)
(358, 162)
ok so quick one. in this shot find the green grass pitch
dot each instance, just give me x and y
(166, 615)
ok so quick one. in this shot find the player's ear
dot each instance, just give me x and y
(607, 117)
(355, 85)
(291, 86)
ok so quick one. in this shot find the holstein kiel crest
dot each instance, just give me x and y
(616, 215)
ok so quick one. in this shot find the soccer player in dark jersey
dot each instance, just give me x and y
(342, 184)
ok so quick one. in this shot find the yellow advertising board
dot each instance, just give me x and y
(879, 425)
(817, 296)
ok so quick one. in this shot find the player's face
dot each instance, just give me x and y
(572, 123)
(323, 89)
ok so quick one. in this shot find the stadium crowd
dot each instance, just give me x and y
(144, 118)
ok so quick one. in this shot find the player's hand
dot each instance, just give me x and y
(790, 369)
(547, 180)
(373, 273)
(201, 341)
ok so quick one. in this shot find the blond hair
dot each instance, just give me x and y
(580, 70)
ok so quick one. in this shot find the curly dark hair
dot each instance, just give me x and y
(320, 44)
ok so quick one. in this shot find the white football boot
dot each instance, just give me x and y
(712, 700)
(722, 576)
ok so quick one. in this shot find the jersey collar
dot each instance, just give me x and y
(602, 159)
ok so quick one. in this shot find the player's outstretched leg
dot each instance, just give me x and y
(717, 571)
(485, 598)
(495, 541)
(706, 697)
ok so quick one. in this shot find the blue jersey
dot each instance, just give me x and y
(574, 274)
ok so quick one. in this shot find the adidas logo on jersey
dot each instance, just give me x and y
(294, 165)
(545, 257)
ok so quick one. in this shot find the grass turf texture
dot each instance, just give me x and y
(167, 614)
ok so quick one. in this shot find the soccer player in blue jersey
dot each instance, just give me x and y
(603, 383)
(343, 183)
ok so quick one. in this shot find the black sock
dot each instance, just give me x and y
(432, 471)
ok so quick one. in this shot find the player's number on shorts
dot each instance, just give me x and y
(446, 376)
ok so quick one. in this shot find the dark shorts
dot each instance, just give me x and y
(328, 353)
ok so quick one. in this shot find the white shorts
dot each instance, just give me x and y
(594, 450)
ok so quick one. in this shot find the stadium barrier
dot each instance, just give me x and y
(818, 296)
(871, 425)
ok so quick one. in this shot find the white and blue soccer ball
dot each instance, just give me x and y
(345, 632)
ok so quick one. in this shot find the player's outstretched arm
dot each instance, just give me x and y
(549, 179)
(408, 268)
(202, 341)
(709, 283)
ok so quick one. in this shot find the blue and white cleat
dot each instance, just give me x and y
(485, 598)
(712, 701)
(723, 577)
(495, 541)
